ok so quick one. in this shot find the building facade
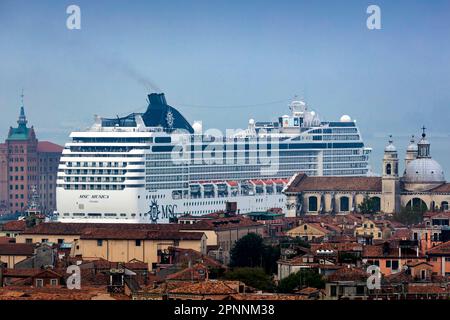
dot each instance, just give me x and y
(422, 186)
(28, 170)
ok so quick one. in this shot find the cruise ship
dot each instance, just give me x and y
(154, 166)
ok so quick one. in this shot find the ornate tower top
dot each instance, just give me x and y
(21, 132)
(390, 147)
(22, 121)
(423, 146)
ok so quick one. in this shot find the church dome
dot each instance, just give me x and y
(424, 170)
(423, 173)
(412, 147)
(390, 147)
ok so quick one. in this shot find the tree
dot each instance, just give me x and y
(369, 205)
(248, 251)
(410, 215)
(271, 255)
(31, 221)
(302, 278)
(253, 277)
(295, 241)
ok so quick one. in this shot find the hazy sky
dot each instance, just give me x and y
(230, 53)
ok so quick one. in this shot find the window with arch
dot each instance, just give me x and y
(417, 204)
(312, 203)
(376, 203)
(388, 168)
(344, 204)
(444, 205)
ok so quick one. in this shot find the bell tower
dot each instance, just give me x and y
(411, 152)
(390, 181)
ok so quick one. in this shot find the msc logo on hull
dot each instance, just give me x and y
(166, 211)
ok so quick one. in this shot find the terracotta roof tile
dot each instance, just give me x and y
(427, 288)
(60, 228)
(308, 291)
(19, 273)
(47, 293)
(441, 249)
(391, 251)
(197, 273)
(302, 182)
(16, 225)
(223, 224)
(211, 287)
(399, 277)
(348, 274)
(183, 255)
(267, 296)
(436, 215)
(131, 233)
(16, 249)
(102, 264)
(338, 246)
(402, 234)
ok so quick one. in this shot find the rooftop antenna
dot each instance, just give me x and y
(21, 97)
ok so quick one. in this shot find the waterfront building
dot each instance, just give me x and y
(422, 186)
(27, 166)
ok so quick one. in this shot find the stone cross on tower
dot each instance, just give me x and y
(423, 131)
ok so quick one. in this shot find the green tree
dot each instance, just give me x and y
(30, 221)
(271, 255)
(248, 251)
(410, 215)
(295, 241)
(369, 205)
(302, 278)
(253, 277)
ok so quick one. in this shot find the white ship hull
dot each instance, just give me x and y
(119, 206)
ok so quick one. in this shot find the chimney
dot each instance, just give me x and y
(157, 99)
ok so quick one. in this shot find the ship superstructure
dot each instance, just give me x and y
(155, 166)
